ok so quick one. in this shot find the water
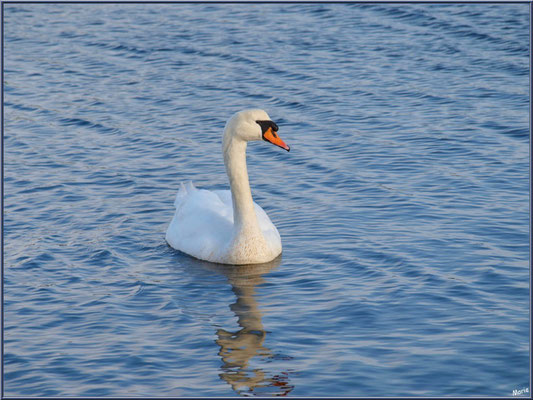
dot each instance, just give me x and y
(402, 206)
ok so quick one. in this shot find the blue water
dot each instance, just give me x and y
(403, 205)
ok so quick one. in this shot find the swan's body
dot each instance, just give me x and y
(225, 226)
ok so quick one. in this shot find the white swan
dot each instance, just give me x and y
(225, 226)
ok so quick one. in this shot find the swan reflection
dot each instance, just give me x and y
(238, 348)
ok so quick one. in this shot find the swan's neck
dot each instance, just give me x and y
(245, 219)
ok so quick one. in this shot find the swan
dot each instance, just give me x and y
(227, 226)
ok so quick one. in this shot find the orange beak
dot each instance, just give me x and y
(272, 137)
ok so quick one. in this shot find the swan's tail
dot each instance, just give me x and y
(183, 192)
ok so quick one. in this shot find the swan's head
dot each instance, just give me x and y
(251, 125)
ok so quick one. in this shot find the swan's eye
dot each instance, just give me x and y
(267, 124)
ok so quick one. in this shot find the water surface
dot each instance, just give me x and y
(402, 206)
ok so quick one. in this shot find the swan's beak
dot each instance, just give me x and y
(272, 137)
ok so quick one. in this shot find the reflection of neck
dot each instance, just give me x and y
(246, 309)
(237, 348)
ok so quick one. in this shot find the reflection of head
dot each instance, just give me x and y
(239, 347)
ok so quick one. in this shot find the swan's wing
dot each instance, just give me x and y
(225, 198)
(269, 230)
(202, 223)
(266, 225)
(182, 193)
